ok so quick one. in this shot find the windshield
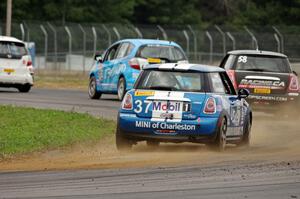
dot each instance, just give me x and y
(171, 81)
(12, 50)
(262, 63)
(166, 53)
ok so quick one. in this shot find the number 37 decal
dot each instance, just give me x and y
(139, 106)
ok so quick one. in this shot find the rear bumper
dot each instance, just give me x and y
(273, 103)
(140, 129)
(15, 79)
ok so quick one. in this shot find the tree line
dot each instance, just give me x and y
(171, 12)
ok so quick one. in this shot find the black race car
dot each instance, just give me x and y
(273, 85)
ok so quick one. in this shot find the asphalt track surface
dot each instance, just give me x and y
(68, 100)
(256, 181)
(257, 176)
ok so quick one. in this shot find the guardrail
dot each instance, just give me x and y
(57, 43)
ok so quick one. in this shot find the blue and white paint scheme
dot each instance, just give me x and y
(117, 69)
(183, 114)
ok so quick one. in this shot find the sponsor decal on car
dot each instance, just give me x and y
(165, 126)
(268, 98)
(250, 83)
(171, 106)
(144, 93)
(165, 106)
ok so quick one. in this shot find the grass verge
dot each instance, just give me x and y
(25, 130)
(61, 80)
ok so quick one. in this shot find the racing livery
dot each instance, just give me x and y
(118, 69)
(184, 103)
(268, 76)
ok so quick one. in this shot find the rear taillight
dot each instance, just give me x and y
(210, 106)
(127, 102)
(134, 63)
(294, 83)
(231, 74)
(29, 63)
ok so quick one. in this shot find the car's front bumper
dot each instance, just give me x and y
(135, 128)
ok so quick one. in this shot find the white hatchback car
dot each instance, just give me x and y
(15, 64)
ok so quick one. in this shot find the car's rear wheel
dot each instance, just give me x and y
(220, 142)
(93, 93)
(24, 88)
(247, 133)
(122, 143)
(121, 88)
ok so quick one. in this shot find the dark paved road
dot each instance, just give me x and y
(69, 100)
(280, 180)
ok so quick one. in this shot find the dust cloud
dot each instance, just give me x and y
(273, 139)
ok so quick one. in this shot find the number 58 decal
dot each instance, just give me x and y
(139, 106)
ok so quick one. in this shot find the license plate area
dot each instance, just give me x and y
(8, 70)
(262, 90)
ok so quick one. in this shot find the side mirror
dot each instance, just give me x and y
(243, 93)
(98, 58)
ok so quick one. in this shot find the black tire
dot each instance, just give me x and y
(121, 88)
(152, 144)
(245, 141)
(93, 94)
(220, 142)
(24, 88)
(122, 143)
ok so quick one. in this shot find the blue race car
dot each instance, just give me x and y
(184, 103)
(117, 70)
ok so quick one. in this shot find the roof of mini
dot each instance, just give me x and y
(256, 52)
(149, 41)
(184, 67)
(10, 39)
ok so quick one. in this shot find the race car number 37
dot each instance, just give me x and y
(161, 106)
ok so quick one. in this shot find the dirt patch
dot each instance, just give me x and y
(272, 140)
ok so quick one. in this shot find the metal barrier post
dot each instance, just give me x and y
(165, 36)
(278, 42)
(28, 31)
(84, 46)
(22, 31)
(70, 46)
(281, 38)
(210, 46)
(117, 33)
(187, 42)
(55, 43)
(223, 38)
(232, 39)
(95, 39)
(46, 44)
(254, 41)
(138, 32)
(108, 34)
(195, 41)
